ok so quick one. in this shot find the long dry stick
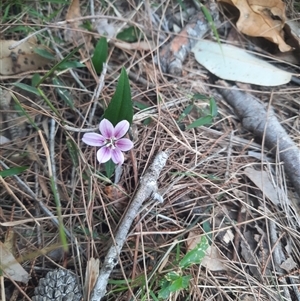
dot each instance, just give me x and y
(148, 187)
(265, 125)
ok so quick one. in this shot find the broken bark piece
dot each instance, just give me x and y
(264, 124)
(172, 55)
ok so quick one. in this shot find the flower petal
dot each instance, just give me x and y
(104, 154)
(124, 144)
(106, 129)
(121, 129)
(93, 139)
(117, 156)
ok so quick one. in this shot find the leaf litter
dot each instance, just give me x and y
(204, 181)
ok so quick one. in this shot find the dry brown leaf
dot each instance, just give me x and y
(11, 267)
(20, 59)
(257, 20)
(262, 180)
(74, 32)
(141, 45)
(213, 260)
(193, 239)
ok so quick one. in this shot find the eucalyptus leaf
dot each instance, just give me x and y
(235, 64)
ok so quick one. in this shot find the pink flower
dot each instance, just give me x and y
(111, 142)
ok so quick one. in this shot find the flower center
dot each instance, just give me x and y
(110, 143)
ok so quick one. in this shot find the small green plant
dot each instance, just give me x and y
(176, 281)
(208, 115)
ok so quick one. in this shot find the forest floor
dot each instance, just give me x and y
(223, 190)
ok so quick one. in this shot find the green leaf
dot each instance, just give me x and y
(210, 20)
(57, 66)
(12, 171)
(63, 93)
(147, 121)
(23, 112)
(172, 276)
(70, 64)
(73, 151)
(185, 112)
(130, 34)
(180, 283)
(35, 79)
(164, 292)
(207, 229)
(120, 107)
(109, 168)
(213, 107)
(154, 298)
(201, 121)
(44, 53)
(199, 96)
(173, 282)
(196, 255)
(28, 88)
(100, 54)
(140, 105)
(182, 5)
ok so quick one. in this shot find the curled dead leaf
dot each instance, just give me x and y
(262, 19)
(10, 267)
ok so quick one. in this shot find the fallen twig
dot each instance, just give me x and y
(148, 187)
(265, 125)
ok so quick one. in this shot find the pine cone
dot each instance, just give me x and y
(58, 285)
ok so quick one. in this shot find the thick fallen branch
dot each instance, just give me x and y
(173, 54)
(148, 187)
(265, 125)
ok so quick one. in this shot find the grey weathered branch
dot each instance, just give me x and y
(148, 187)
(172, 55)
(264, 124)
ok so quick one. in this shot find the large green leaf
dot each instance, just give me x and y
(100, 55)
(120, 107)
